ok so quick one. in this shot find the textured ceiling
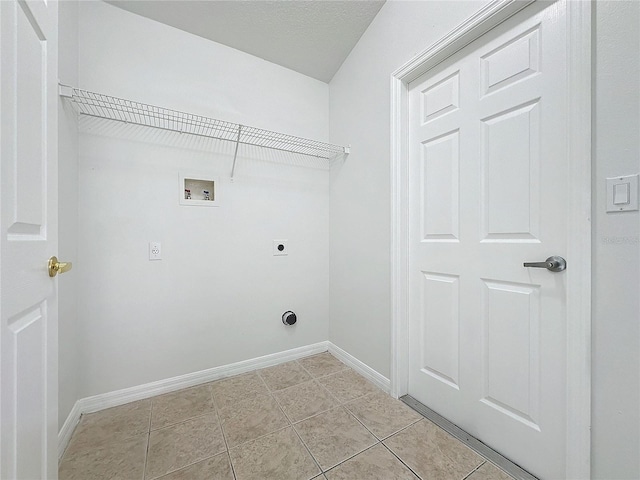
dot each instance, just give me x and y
(312, 37)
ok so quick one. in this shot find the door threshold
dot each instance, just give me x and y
(473, 443)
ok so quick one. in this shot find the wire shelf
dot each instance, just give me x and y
(128, 111)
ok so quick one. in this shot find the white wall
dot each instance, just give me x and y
(360, 216)
(360, 194)
(616, 245)
(218, 294)
(68, 361)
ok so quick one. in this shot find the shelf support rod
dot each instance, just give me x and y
(235, 154)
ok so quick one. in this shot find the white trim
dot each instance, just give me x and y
(399, 239)
(492, 14)
(120, 397)
(578, 450)
(64, 435)
(147, 390)
(362, 368)
(579, 306)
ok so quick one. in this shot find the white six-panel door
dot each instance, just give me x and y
(28, 237)
(488, 191)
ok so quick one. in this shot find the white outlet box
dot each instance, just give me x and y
(280, 247)
(199, 190)
(155, 251)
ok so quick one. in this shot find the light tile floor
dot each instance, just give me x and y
(313, 418)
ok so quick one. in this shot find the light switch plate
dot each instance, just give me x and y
(622, 193)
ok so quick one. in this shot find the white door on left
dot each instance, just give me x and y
(28, 237)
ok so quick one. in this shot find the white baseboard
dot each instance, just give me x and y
(64, 435)
(362, 368)
(140, 392)
(147, 390)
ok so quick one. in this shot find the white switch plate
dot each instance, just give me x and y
(622, 193)
(155, 251)
(280, 247)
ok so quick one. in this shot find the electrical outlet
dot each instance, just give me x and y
(280, 247)
(155, 251)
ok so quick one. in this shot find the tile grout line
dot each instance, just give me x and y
(185, 419)
(346, 459)
(181, 421)
(146, 455)
(260, 437)
(293, 427)
(302, 366)
(316, 379)
(485, 452)
(401, 430)
(371, 431)
(315, 415)
(303, 443)
(264, 381)
(474, 470)
(349, 412)
(224, 438)
(108, 440)
(347, 401)
(279, 408)
(329, 392)
(381, 441)
(338, 404)
(351, 457)
(321, 376)
(402, 461)
(202, 459)
(367, 428)
(187, 466)
(282, 408)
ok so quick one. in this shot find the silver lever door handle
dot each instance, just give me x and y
(553, 264)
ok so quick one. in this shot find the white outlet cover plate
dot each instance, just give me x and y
(628, 186)
(155, 251)
(277, 251)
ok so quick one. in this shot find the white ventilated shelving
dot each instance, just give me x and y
(129, 111)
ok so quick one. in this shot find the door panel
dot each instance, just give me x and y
(28, 237)
(511, 62)
(512, 387)
(488, 182)
(510, 150)
(440, 328)
(30, 128)
(439, 173)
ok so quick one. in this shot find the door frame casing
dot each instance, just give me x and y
(579, 13)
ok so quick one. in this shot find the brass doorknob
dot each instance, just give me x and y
(56, 267)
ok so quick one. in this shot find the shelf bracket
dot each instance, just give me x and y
(235, 154)
(65, 90)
